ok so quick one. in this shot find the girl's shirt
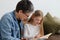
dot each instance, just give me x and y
(31, 31)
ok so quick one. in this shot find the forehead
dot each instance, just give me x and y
(29, 14)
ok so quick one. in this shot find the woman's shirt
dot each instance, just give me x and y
(9, 28)
(31, 31)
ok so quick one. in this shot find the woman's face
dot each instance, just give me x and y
(37, 20)
(23, 16)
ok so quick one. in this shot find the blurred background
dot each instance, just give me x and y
(51, 6)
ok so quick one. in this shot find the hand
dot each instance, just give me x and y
(23, 39)
(38, 36)
(23, 17)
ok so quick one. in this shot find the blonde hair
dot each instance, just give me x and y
(36, 14)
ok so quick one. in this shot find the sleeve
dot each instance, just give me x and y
(26, 31)
(6, 24)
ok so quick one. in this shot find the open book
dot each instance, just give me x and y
(45, 36)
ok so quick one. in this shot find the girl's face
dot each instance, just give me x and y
(37, 20)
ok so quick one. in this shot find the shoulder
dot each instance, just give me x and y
(27, 25)
(7, 16)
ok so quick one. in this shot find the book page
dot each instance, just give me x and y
(45, 37)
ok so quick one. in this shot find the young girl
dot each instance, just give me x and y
(34, 27)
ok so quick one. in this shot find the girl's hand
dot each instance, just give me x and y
(38, 36)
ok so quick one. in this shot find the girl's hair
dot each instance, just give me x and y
(36, 14)
(25, 6)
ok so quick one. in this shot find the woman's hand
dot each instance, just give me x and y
(24, 39)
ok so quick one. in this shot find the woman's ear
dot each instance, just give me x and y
(20, 11)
